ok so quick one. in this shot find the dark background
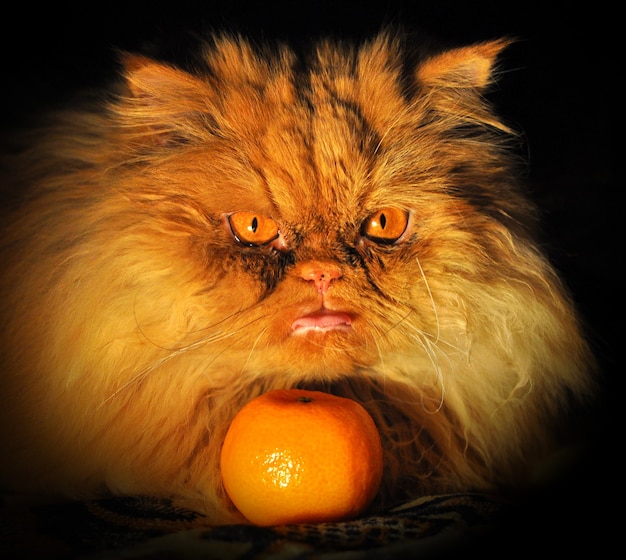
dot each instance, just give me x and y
(557, 89)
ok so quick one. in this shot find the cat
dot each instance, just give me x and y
(350, 219)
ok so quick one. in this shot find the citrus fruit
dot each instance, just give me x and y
(300, 456)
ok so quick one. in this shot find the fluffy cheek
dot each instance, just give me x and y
(234, 295)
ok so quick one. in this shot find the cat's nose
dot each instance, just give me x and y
(321, 273)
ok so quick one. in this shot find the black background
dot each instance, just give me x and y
(559, 89)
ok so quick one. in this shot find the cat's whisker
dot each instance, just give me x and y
(263, 331)
(175, 352)
(430, 351)
(438, 341)
(142, 374)
(380, 354)
(435, 339)
(224, 321)
(430, 348)
(432, 299)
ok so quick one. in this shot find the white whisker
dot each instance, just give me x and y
(431, 351)
(175, 352)
(263, 331)
(141, 375)
(430, 295)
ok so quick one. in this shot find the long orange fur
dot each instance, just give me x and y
(134, 326)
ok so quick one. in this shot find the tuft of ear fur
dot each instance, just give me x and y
(465, 67)
(455, 80)
(163, 104)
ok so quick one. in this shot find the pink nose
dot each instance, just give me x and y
(321, 273)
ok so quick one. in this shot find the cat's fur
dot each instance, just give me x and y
(134, 325)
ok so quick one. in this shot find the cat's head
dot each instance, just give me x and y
(339, 210)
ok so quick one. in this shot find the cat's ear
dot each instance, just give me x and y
(454, 81)
(469, 67)
(162, 104)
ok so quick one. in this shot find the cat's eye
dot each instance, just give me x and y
(385, 226)
(252, 229)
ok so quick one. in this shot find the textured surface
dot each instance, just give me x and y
(145, 528)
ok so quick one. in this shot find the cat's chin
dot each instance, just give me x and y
(316, 348)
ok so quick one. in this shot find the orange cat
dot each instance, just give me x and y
(345, 221)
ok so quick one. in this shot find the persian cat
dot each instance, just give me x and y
(347, 220)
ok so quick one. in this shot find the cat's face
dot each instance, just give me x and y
(334, 217)
(315, 277)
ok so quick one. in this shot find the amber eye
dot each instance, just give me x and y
(386, 225)
(252, 229)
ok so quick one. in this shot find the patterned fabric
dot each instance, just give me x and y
(145, 528)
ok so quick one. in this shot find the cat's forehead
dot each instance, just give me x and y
(318, 155)
(321, 156)
(310, 128)
(346, 131)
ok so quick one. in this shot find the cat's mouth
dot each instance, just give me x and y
(322, 321)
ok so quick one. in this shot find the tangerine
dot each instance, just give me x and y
(300, 456)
